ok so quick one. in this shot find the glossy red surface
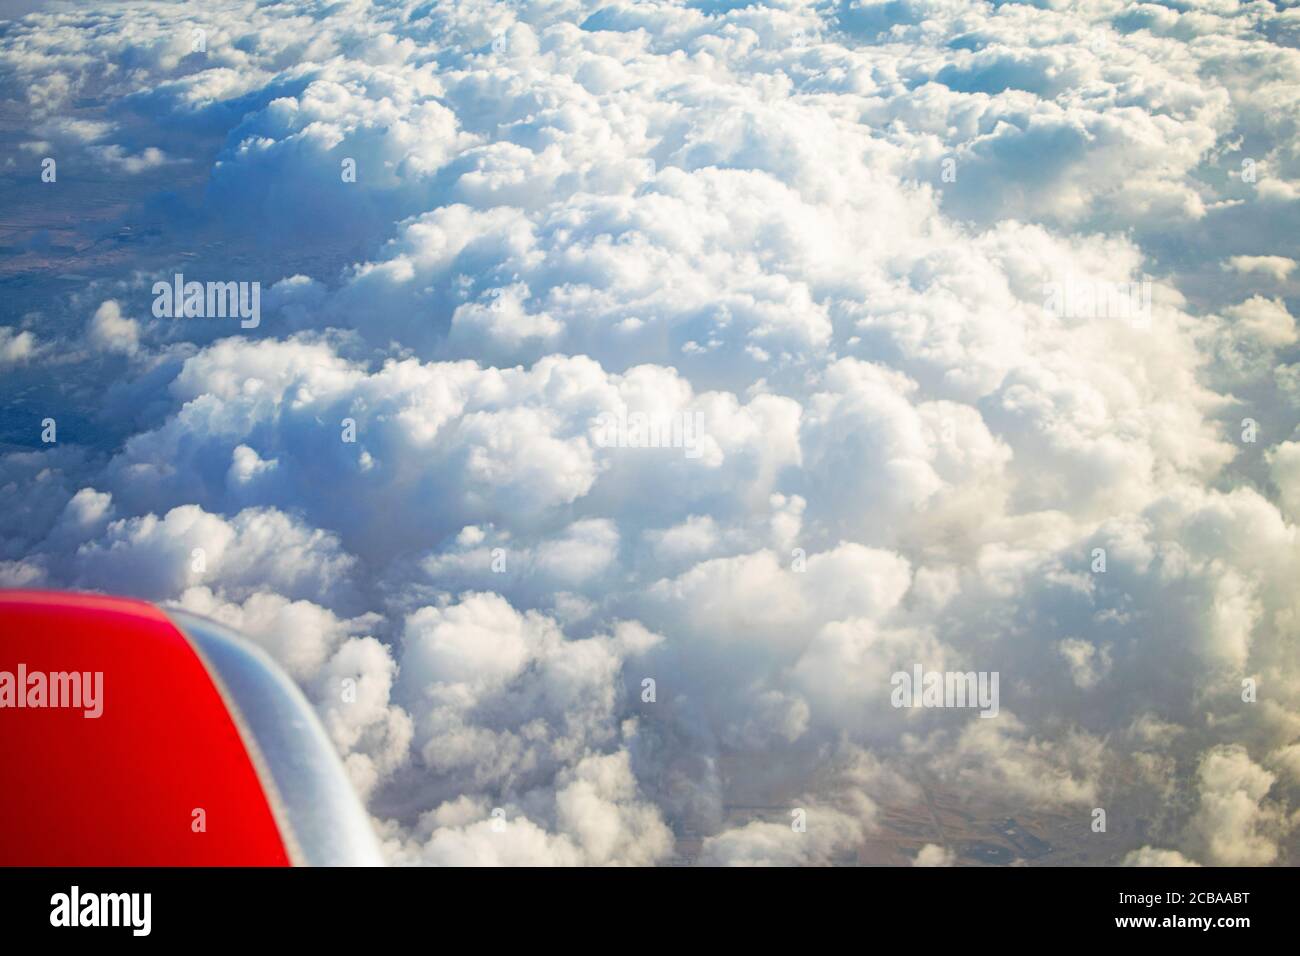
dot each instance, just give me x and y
(121, 789)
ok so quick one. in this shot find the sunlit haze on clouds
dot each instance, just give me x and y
(906, 457)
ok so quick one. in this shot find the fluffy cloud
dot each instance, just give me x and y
(933, 855)
(1234, 823)
(16, 347)
(112, 331)
(1149, 856)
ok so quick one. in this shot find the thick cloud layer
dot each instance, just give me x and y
(968, 329)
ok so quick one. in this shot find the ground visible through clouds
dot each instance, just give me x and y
(826, 231)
